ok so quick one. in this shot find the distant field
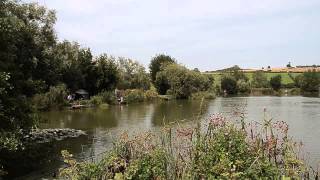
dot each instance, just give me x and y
(285, 76)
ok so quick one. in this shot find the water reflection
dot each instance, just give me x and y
(103, 125)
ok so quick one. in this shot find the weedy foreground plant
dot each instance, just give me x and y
(216, 149)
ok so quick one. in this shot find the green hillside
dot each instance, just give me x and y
(286, 79)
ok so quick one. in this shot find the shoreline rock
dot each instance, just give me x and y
(49, 135)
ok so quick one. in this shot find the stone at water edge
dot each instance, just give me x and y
(48, 135)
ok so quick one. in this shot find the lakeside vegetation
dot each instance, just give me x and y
(235, 81)
(217, 149)
(37, 72)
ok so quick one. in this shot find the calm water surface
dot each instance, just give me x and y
(103, 125)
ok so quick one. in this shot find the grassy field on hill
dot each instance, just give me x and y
(286, 79)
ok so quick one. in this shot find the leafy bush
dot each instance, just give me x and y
(162, 83)
(151, 165)
(54, 98)
(243, 86)
(134, 95)
(108, 97)
(132, 75)
(151, 94)
(180, 81)
(229, 84)
(275, 82)
(219, 150)
(310, 81)
(157, 62)
(96, 100)
(259, 80)
(289, 85)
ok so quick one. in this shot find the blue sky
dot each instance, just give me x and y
(208, 34)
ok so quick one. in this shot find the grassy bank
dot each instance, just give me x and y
(217, 149)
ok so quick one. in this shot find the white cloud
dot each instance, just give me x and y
(188, 29)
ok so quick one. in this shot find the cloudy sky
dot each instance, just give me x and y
(208, 34)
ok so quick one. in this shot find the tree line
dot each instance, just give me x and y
(35, 65)
(234, 81)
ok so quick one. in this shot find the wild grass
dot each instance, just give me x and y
(219, 148)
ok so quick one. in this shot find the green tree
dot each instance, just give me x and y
(289, 65)
(298, 80)
(181, 81)
(108, 73)
(26, 39)
(229, 84)
(156, 63)
(243, 86)
(310, 81)
(76, 67)
(237, 73)
(259, 80)
(132, 75)
(275, 82)
(162, 83)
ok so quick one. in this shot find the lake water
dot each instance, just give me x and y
(104, 125)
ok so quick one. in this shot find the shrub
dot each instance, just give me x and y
(132, 75)
(259, 79)
(151, 94)
(134, 95)
(54, 98)
(243, 86)
(108, 97)
(289, 85)
(310, 81)
(162, 83)
(275, 82)
(181, 82)
(152, 165)
(96, 100)
(229, 84)
(298, 80)
(219, 150)
(157, 62)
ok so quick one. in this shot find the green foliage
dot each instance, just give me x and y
(96, 100)
(236, 72)
(219, 150)
(132, 75)
(108, 97)
(182, 81)
(75, 66)
(108, 73)
(298, 80)
(26, 38)
(9, 141)
(134, 95)
(15, 111)
(259, 80)
(54, 98)
(151, 94)
(229, 84)
(243, 86)
(226, 155)
(275, 82)
(162, 83)
(310, 81)
(157, 62)
(152, 165)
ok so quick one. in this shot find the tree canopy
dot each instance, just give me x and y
(157, 62)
